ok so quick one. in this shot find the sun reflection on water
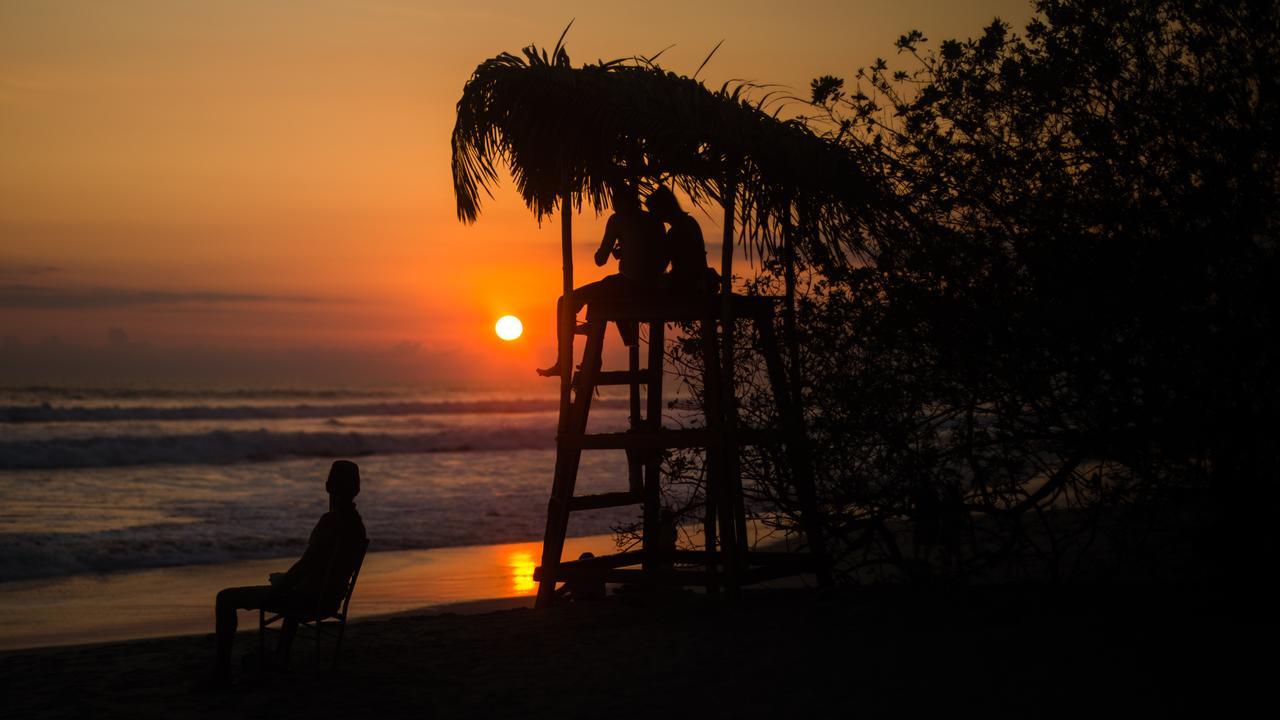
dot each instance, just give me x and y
(521, 564)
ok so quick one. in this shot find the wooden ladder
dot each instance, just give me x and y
(724, 560)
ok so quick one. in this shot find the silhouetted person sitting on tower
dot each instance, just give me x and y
(638, 240)
(689, 272)
(318, 579)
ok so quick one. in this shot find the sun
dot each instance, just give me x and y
(508, 327)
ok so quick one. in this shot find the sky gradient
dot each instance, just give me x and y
(223, 193)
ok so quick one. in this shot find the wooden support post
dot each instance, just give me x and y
(562, 485)
(566, 322)
(711, 406)
(635, 460)
(653, 460)
(731, 530)
(633, 365)
(804, 469)
(797, 449)
(789, 312)
(568, 457)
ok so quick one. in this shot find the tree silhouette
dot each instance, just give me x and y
(1059, 357)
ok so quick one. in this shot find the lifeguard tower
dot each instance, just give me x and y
(561, 131)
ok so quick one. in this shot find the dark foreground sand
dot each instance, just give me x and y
(1143, 650)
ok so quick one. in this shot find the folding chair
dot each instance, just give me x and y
(323, 622)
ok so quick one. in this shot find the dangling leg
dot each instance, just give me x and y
(581, 298)
(554, 370)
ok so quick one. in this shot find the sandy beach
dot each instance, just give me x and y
(1001, 651)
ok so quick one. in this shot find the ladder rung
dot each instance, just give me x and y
(637, 440)
(604, 500)
(620, 377)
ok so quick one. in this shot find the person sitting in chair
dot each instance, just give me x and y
(317, 580)
(638, 240)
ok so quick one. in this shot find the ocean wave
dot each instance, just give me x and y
(132, 393)
(47, 555)
(233, 446)
(45, 412)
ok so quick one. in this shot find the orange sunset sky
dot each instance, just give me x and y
(258, 191)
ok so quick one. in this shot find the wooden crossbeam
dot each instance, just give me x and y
(760, 566)
(664, 439)
(604, 500)
(644, 311)
(635, 557)
(618, 377)
(616, 560)
(699, 557)
(662, 310)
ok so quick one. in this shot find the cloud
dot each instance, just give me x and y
(15, 271)
(36, 297)
(406, 348)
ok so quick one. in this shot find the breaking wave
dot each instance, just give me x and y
(46, 412)
(232, 446)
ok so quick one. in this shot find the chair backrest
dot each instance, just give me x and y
(355, 573)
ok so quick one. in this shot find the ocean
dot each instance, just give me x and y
(98, 480)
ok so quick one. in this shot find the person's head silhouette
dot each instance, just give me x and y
(624, 197)
(662, 202)
(343, 483)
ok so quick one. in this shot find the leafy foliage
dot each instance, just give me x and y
(1061, 359)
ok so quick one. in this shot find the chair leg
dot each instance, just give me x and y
(284, 646)
(337, 644)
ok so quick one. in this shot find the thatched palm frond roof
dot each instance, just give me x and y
(556, 126)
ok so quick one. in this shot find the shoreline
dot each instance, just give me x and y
(174, 601)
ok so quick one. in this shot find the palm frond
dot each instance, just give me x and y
(557, 127)
(707, 59)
